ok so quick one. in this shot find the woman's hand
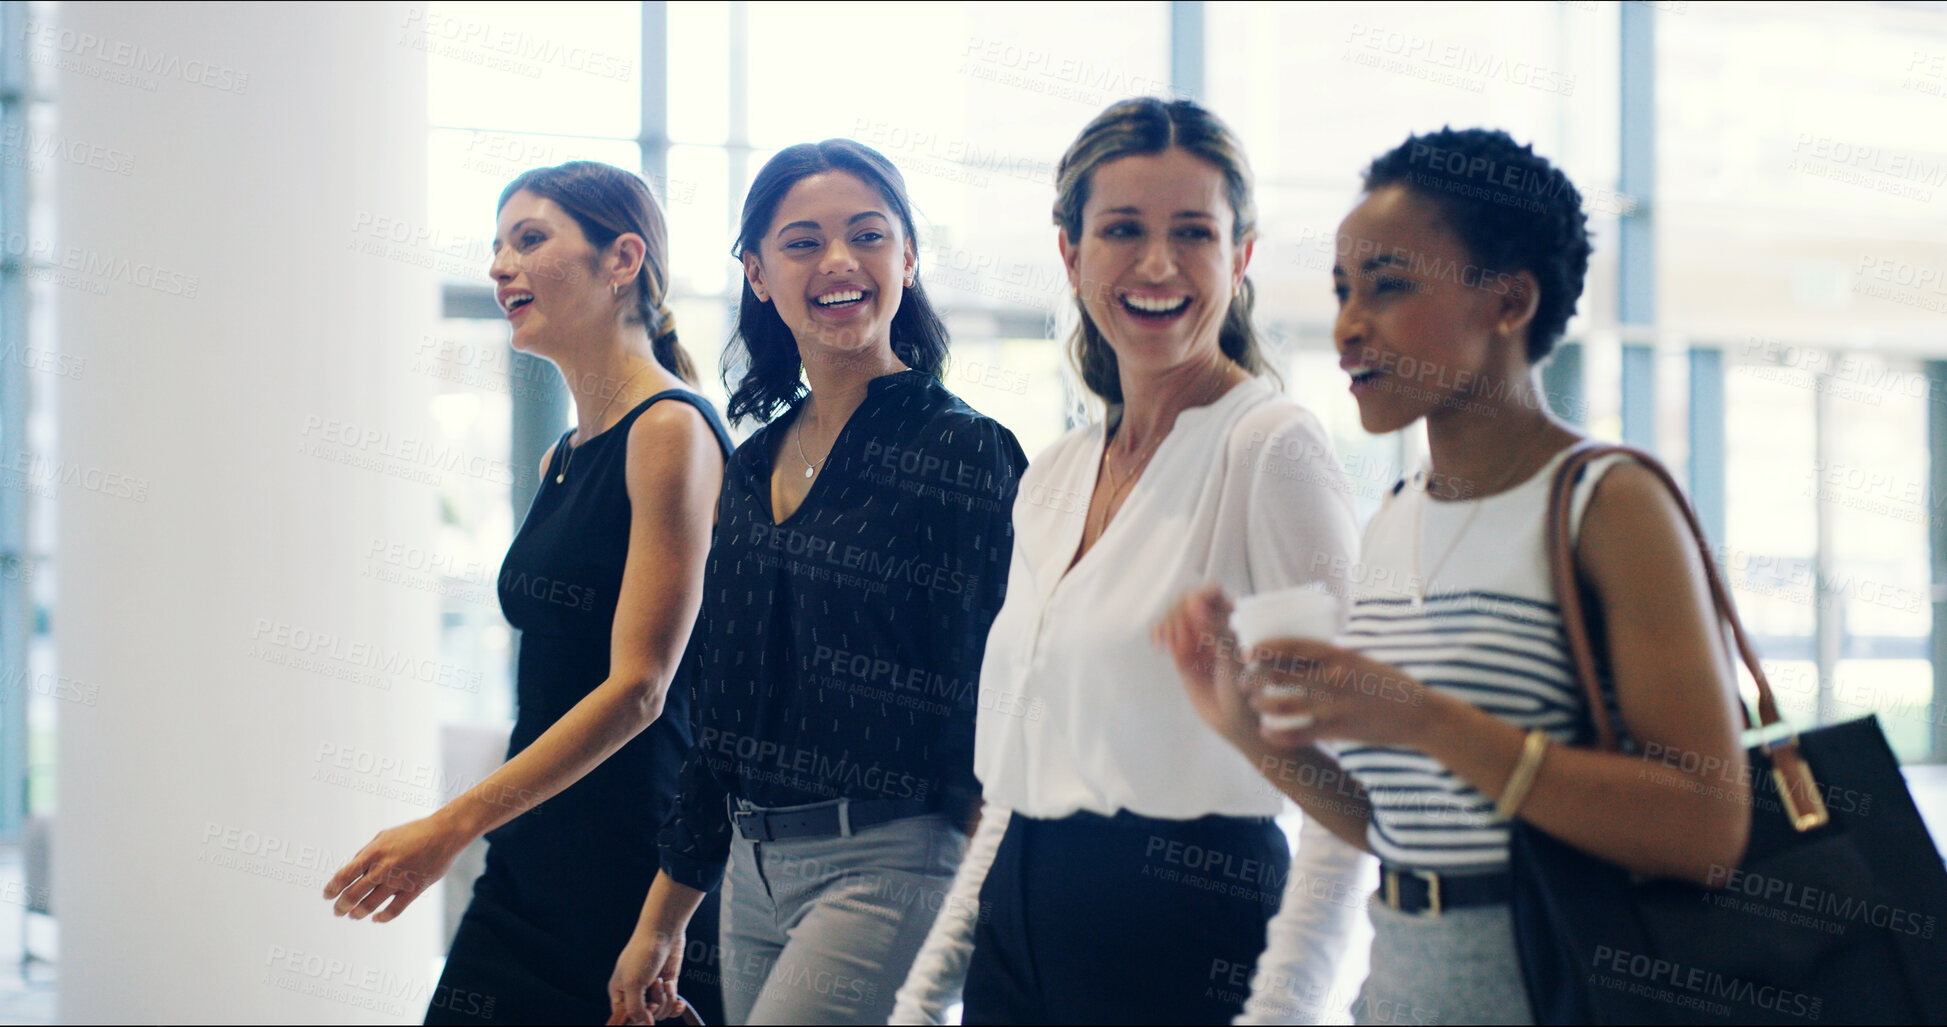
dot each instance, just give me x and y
(642, 990)
(399, 864)
(1346, 696)
(1196, 632)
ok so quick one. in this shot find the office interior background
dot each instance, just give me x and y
(264, 442)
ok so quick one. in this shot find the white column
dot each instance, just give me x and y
(248, 429)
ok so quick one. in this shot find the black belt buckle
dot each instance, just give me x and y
(751, 825)
(820, 820)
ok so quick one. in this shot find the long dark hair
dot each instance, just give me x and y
(762, 352)
(1147, 125)
(607, 201)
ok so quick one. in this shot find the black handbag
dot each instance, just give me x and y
(1836, 914)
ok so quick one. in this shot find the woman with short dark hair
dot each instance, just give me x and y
(1452, 693)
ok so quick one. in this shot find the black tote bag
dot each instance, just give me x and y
(1838, 912)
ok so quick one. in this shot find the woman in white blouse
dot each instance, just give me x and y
(1127, 862)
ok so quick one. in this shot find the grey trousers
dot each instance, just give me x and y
(1459, 967)
(824, 930)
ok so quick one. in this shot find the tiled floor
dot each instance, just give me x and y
(28, 997)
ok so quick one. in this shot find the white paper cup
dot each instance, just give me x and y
(1291, 613)
(1278, 723)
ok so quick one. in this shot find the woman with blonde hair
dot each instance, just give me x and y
(1127, 861)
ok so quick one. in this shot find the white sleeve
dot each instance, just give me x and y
(1304, 944)
(1298, 521)
(940, 969)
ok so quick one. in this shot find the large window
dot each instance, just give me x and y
(1773, 224)
(1796, 215)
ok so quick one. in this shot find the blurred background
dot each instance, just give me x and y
(263, 443)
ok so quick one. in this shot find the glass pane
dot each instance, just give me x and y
(568, 69)
(475, 382)
(1771, 518)
(699, 72)
(700, 230)
(1796, 177)
(1874, 485)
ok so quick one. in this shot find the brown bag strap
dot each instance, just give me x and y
(1797, 789)
(1561, 558)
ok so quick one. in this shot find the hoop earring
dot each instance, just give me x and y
(614, 289)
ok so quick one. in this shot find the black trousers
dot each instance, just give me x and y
(1124, 919)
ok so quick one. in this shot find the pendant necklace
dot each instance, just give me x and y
(1420, 581)
(570, 458)
(809, 467)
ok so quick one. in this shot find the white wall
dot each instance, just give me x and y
(213, 525)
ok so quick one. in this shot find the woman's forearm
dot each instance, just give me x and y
(601, 723)
(1320, 787)
(1648, 818)
(668, 907)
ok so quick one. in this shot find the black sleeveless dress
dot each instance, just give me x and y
(565, 881)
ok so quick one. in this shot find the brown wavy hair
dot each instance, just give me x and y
(607, 201)
(1148, 125)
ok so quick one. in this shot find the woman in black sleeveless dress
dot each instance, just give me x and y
(603, 579)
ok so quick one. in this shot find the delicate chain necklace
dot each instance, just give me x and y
(570, 458)
(1115, 490)
(809, 467)
(1419, 528)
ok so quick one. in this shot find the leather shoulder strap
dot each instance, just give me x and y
(1568, 594)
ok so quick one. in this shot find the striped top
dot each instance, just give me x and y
(1488, 632)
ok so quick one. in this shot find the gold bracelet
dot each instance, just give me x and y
(1533, 748)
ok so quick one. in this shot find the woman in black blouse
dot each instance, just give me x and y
(861, 554)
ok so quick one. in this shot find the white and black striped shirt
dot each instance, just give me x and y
(1487, 632)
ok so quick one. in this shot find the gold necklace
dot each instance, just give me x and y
(1115, 490)
(1419, 529)
(570, 458)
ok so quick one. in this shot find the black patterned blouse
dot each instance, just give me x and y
(840, 650)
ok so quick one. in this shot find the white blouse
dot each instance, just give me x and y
(1078, 709)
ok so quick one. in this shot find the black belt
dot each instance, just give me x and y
(840, 818)
(1423, 891)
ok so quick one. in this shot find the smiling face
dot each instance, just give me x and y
(1155, 265)
(1421, 326)
(552, 283)
(834, 262)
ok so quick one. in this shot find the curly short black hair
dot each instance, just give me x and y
(1512, 209)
